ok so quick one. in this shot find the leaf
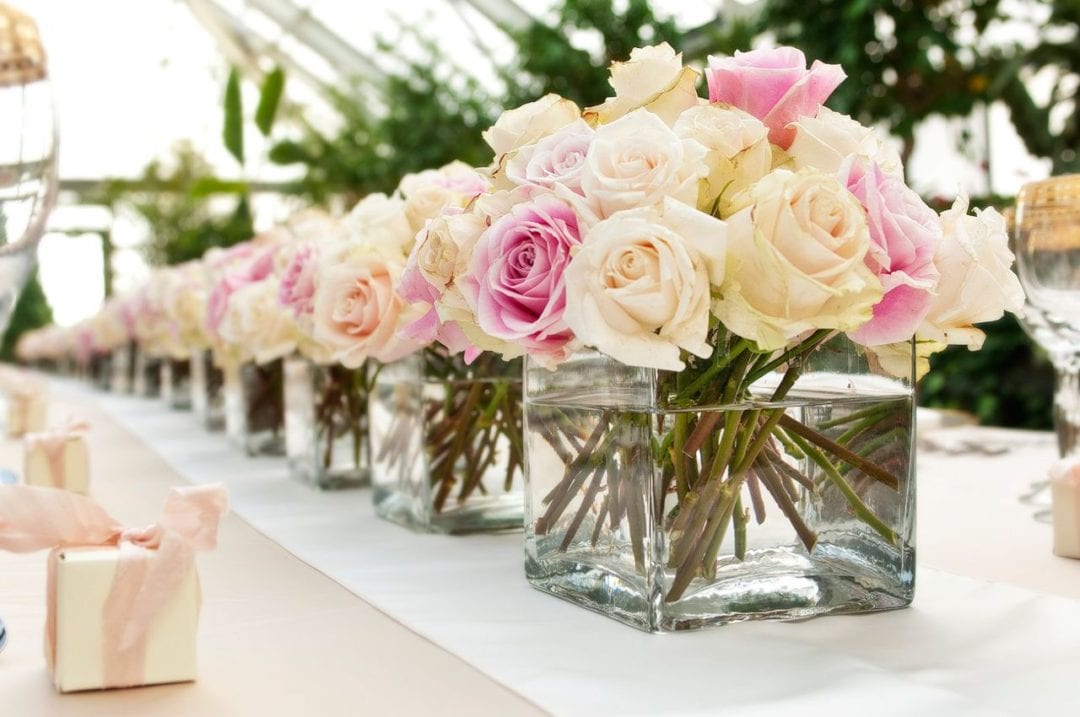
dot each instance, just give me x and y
(233, 132)
(269, 100)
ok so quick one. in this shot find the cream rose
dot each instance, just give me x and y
(638, 288)
(653, 78)
(797, 245)
(977, 283)
(558, 158)
(357, 312)
(825, 141)
(529, 123)
(638, 161)
(738, 147)
(427, 193)
(379, 221)
(255, 325)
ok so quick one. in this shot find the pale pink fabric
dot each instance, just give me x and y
(34, 518)
(52, 443)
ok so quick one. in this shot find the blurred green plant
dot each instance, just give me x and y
(31, 311)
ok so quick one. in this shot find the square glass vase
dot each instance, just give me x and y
(326, 440)
(672, 501)
(146, 380)
(446, 450)
(207, 391)
(123, 369)
(254, 408)
(176, 383)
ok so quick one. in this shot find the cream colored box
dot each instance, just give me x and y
(26, 413)
(1065, 494)
(68, 469)
(84, 577)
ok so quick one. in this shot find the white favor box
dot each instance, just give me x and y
(1065, 494)
(84, 577)
(26, 414)
(39, 470)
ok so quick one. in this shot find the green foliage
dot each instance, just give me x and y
(547, 61)
(428, 113)
(233, 130)
(31, 311)
(1009, 382)
(273, 86)
(174, 197)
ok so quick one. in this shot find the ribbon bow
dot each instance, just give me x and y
(34, 519)
(52, 443)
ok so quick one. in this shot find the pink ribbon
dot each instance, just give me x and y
(34, 519)
(52, 443)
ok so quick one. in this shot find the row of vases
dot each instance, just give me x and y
(603, 471)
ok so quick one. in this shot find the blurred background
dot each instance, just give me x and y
(187, 124)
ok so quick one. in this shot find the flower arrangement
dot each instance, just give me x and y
(724, 246)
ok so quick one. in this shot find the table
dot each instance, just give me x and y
(314, 606)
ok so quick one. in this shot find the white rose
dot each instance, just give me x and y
(556, 159)
(427, 193)
(638, 161)
(379, 221)
(638, 289)
(653, 78)
(738, 146)
(797, 245)
(529, 123)
(825, 141)
(977, 283)
(255, 325)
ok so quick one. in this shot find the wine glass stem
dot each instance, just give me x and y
(1067, 406)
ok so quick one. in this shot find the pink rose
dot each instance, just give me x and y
(515, 283)
(297, 291)
(253, 265)
(774, 86)
(357, 313)
(904, 235)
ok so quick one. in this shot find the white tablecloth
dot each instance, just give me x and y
(995, 627)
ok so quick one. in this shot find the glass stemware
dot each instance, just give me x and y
(1047, 236)
(28, 158)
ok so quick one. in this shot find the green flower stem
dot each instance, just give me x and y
(683, 536)
(803, 349)
(858, 507)
(756, 501)
(738, 522)
(874, 444)
(723, 360)
(797, 430)
(583, 509)
(601, 514)
(766, 470)
(873, 412)
(679, 459)
(719, 512)
(575, 474)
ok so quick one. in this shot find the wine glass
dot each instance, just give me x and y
(28, 157)
(1047, 236)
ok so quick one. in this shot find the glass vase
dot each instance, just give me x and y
(176, 383)
(146, 381)
(99, 371)
(747, 487)
(446, 452)
(254, 408)
(207, 391)
(326, 424)
(123, 369)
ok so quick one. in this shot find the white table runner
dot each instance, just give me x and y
(967, 646)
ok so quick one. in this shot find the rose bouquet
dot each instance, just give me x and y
(721, 302)
(325, 401)
(250, 335)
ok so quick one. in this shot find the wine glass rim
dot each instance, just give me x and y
(1064, 188)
